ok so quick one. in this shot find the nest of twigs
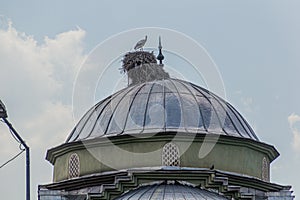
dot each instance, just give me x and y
(141, 66)
(134, 59)
(147, 73)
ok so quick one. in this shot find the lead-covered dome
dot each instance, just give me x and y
(170, 191)
(167, 105)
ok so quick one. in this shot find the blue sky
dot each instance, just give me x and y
(255, 45)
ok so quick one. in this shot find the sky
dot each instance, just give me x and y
(43, 44)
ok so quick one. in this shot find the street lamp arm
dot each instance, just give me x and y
(15, 133)
(27, 156)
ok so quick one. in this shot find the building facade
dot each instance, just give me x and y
(161, 138)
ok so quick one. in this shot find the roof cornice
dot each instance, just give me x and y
(62, 149)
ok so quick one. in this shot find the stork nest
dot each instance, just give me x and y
(141, 66)
(134, 59)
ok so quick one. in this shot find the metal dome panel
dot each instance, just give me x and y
(170, 191)
(161, 106)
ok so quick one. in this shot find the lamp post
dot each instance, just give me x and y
(3, 115)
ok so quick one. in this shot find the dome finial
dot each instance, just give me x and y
(160, 56)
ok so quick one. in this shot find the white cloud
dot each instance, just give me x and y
(294, 120)
(36, 82)
(52, 125)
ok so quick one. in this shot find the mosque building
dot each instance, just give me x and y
(161, 138)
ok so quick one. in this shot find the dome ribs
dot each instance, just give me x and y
(213, 107)
(179, 106)
(146, 108)
(200, 111)
(129, 108)
(115, 108)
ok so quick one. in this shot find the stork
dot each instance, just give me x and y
(140, 44)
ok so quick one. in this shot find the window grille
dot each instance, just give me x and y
(74, 166)
(170, 155)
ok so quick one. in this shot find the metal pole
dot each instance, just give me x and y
(27, 157)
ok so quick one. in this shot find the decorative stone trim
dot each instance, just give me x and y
(231, 185)
(265, 169)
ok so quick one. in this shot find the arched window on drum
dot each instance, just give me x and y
(170, 155)
(74, 166)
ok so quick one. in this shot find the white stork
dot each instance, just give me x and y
(140, 44)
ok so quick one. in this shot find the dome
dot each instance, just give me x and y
(167, 105)
(170, 191)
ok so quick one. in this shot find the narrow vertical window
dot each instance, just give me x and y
(170, 155)
(74, 166)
